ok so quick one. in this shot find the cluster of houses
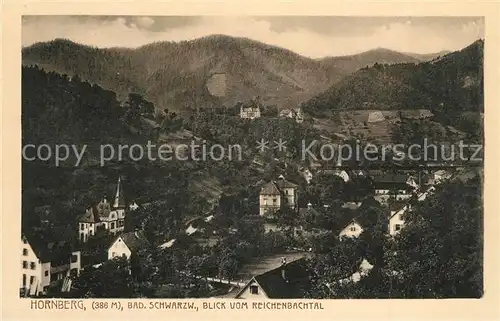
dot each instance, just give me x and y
(45, 263)
(397, 187)
(253, 109)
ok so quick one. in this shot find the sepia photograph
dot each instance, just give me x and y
(252, 157)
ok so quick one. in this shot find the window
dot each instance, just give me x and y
(286, 192)
(91, 233)
(25, 252)
(353, 228)
(254, 289)
(25, 264)
(275, 200)
(81, 227)
(113, 226)
(32, 279)
(74, 258)
(46, 273)
(397, 227)
(32, 265)
(400, 217)
(24, 280)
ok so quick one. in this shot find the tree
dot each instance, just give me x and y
(111, 280)
(439, 253)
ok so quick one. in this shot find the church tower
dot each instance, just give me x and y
(119, 207)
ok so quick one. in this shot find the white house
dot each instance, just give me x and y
(396, 221)
(126, 244)
(250, 110)
(42, 264)
(352, 230)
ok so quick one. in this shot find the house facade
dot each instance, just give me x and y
(396, 221)
(250, 110)
(103, 215)
(352, 230)
(41, 265)
(276, 194)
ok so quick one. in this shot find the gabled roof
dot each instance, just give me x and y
(54, 248)
(283, 183)
(275, 187)
(288, 281)
(270, 189)
(133, 240)
(308, 210)
(90, 216)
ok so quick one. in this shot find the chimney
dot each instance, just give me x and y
(309, 205)
(281, 177)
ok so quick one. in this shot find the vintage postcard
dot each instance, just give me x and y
(222, 161)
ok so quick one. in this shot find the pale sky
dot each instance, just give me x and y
(311, 36)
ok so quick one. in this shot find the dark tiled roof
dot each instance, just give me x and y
(134, 241)
(292, 286)
(276, 187)
(270, 189)
(283, 183)
(90, 216)
(418, 113)
(54, 247)
(308, 210)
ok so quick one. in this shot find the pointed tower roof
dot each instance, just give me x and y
(119, 199)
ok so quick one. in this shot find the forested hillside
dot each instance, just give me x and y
(453, 82)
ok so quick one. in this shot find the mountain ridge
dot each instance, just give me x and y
(180, 75)
(454, 79)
